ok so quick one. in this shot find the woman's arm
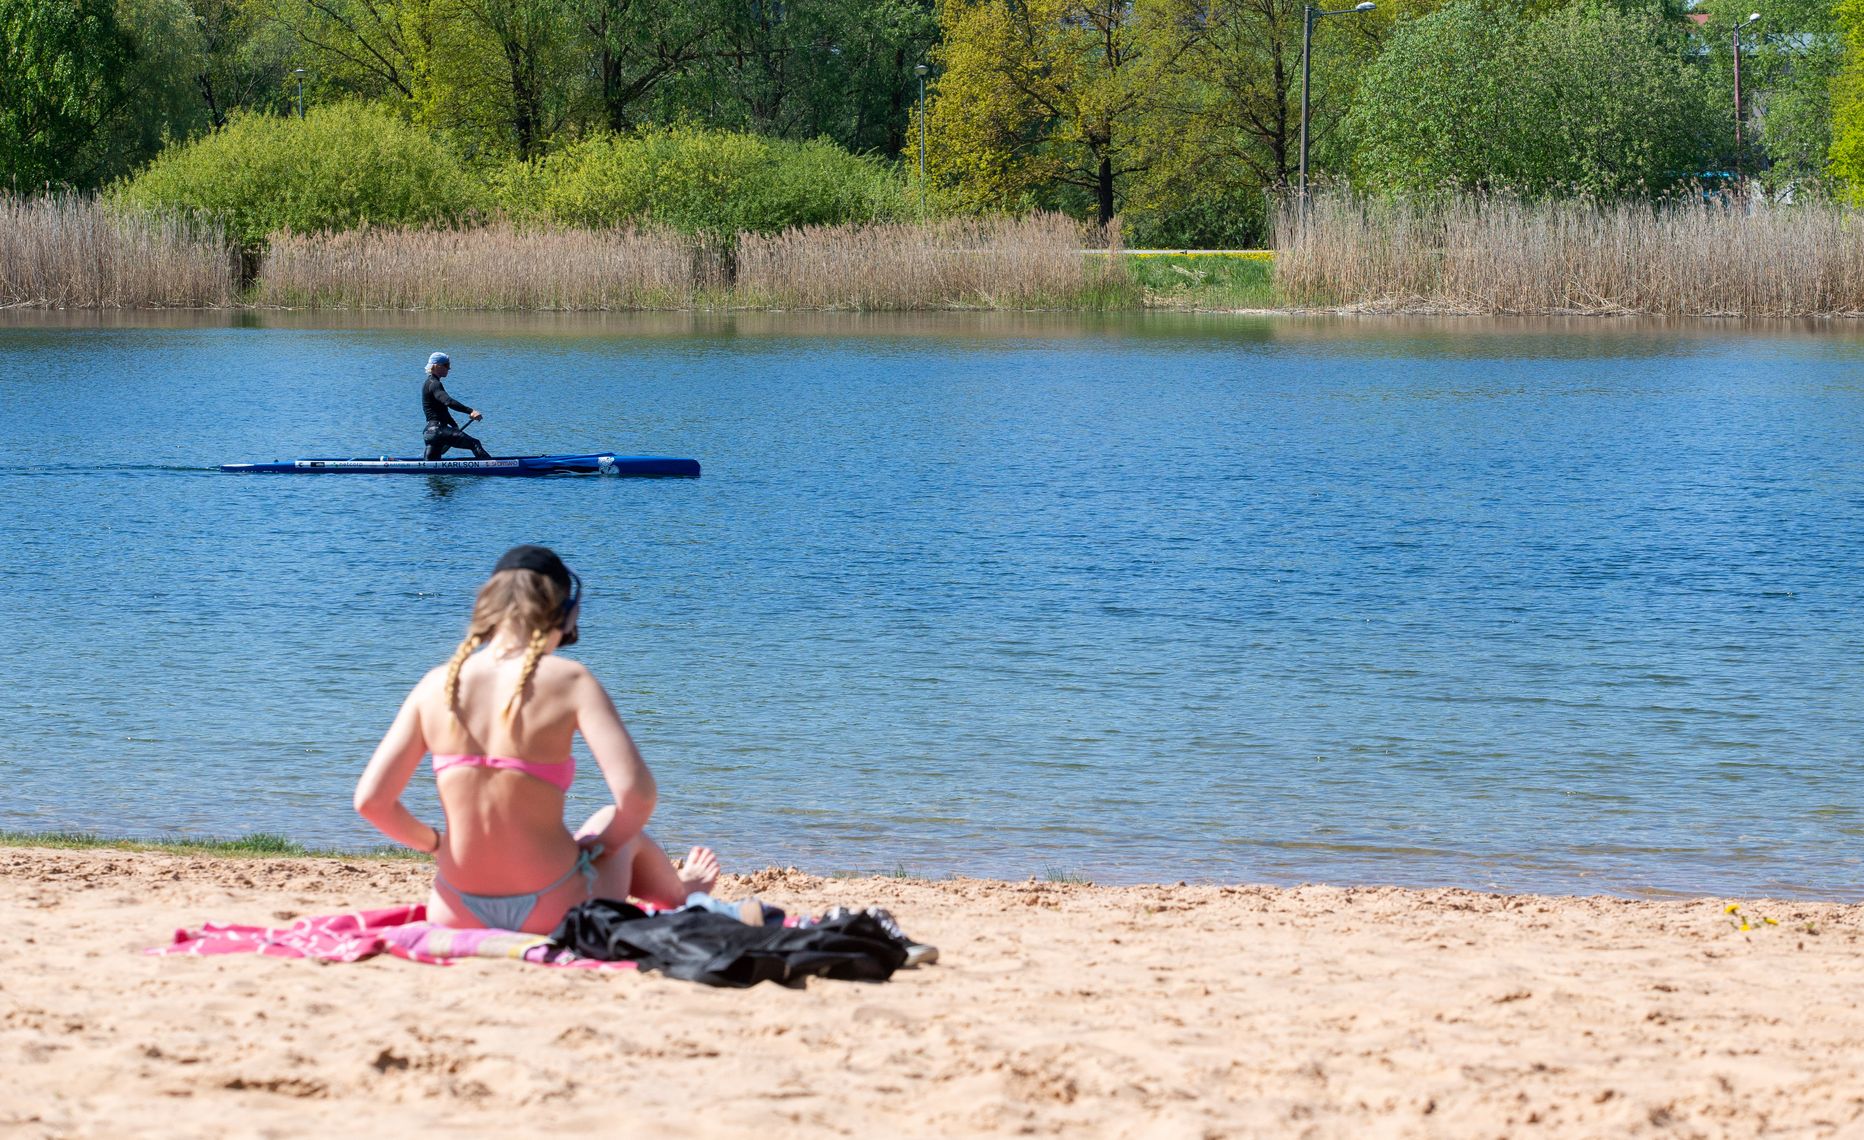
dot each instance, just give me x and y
(378, 793)
(629, 781)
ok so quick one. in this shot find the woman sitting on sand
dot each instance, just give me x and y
(498, 719)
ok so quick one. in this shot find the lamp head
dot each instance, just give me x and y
(1751, 18)
(919, 69)
(1367, 6)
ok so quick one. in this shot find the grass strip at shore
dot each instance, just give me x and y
(1205, 279)
(257, 845)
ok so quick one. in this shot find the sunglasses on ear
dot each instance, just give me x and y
(570, 631)
(575, 598)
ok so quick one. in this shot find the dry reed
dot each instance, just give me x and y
(499, 266)
(1027, 262)
(72, 251)
(1501, 255)
(998, 262)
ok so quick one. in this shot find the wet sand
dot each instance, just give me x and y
(1057, 1009)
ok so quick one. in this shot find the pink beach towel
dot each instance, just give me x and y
(401, 931)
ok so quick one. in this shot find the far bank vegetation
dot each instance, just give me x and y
(1564, 155)
(1460, 254)
(82, 252)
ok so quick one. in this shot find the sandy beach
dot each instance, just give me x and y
(1196, 1011)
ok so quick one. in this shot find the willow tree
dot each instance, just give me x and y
(374, 48)
(1038, 95)
(61, 63)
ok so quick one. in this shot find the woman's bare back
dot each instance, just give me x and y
(540, 729)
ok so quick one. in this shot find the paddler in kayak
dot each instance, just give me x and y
(442, 432)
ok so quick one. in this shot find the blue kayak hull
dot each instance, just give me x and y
(648, 466)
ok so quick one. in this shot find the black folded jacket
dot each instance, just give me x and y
(718, 950)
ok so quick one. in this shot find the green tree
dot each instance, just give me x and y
(640, 45)
(1233, 140)
(1789, 60)
(1247, 66)
(1583, 100)
(862, 95)
(1847, 153)
(377, 49)
(510, 77)
(160, 98)
(496, 77)
(1039, 97)
(61, 67)
(243, 57)
(195, 61)
(799, 69)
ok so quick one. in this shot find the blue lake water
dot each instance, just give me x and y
(1550, 606)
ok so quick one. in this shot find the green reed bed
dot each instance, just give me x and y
(70, 251)
(1684, 257)
(256, 845)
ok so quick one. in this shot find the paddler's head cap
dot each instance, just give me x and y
(439, 358)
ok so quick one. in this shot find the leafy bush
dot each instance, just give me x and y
(702, 181)
(1585, 99)
(342, 166)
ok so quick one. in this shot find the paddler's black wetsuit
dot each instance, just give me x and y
(442, 433)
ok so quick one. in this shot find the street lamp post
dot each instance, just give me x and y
(920, 71)
(1309, 14)
(1738, 140)
(299, 72)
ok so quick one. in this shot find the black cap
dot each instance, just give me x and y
(541, 559)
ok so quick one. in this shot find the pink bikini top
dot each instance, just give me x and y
(558, 775)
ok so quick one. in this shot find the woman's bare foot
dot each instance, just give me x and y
(699, 871)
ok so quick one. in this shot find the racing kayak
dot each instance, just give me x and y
(650, 466)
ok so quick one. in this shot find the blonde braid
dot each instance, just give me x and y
(532, 655)
(467, 648)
